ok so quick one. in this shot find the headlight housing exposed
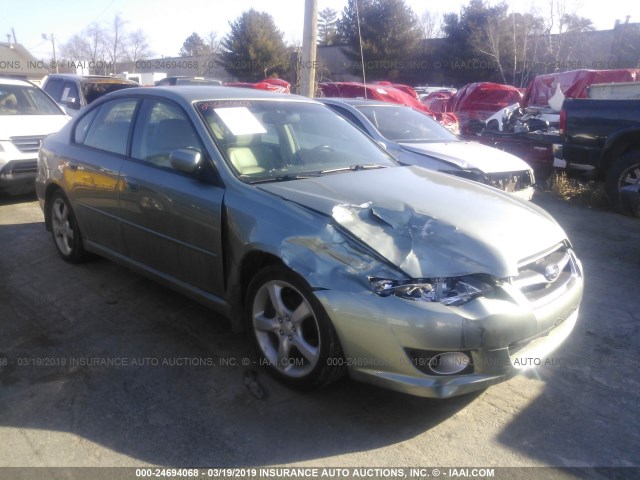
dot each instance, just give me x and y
(451, 291)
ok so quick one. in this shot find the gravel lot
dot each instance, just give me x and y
(179, 394)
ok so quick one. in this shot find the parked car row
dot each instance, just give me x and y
(427, 144)
(309, 234)
(27, 115)
(526, 122)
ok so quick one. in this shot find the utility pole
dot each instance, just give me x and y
(53, 44)
(308, 57)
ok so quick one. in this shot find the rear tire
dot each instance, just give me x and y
(291, 331)
(624, 171)
(65, 231)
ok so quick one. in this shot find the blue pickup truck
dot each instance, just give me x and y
(602, 137)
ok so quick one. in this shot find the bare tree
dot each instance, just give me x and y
(490, 37)
(509, 40)
(212, 41)
(563, 28)
(431, 25)
(136, 47)
(522, 37)
(98, 43)
(114, 41)
(95, 37)
(88, 45)
(76, 48)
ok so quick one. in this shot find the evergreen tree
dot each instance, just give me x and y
(254, 48)
(391, 36)
(194, 46)
(327, 26)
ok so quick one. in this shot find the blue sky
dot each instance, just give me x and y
(167, 23)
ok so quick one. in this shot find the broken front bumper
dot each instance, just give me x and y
(390, 341)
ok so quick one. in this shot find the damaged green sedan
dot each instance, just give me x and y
(283, 216)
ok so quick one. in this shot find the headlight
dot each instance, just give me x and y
(468, 173)
(452, 291)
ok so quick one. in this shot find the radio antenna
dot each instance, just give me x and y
(364, 79)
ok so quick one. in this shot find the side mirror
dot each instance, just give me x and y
(185, 160)
(72, 102)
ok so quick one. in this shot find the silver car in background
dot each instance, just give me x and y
(283, 216)
(27, 115)
(415, 139)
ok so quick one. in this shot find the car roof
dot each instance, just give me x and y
(16, 81)
(92, 78)
(359, 102)
(190, 76)
(194, 93)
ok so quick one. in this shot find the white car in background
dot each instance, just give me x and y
(27, 116)
(415, 139)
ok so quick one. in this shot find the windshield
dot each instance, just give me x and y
(26, 100)
(404, 124)
(276, 140)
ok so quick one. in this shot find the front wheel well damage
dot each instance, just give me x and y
(250, 265)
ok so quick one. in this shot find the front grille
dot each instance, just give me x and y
(545, 278)
(509, 181)
(28, 144)
(20, 166)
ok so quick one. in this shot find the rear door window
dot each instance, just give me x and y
(109, 131)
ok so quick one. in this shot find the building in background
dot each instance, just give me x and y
(17, 62)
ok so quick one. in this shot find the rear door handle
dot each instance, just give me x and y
(133, 186)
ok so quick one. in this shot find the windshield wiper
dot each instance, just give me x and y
(352, 168)
(279, 178)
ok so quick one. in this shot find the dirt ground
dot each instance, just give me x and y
(59, 407)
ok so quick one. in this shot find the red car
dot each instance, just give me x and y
(476, 102)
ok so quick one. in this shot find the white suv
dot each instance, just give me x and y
(27, 115)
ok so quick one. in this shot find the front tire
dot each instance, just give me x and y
(624, 171)
(291, 331)
(65, 230)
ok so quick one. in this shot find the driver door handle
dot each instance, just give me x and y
(130, 185)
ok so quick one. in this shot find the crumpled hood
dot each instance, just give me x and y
(30, 125)
(468, 155)
(429, 224)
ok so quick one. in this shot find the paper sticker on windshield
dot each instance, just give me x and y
(240, 120)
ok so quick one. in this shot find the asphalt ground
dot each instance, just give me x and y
(100, 367)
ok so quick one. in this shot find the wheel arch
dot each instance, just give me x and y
(613, 180)
(49, 192)
(617, 145)
(320, 339)
(253, 262)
